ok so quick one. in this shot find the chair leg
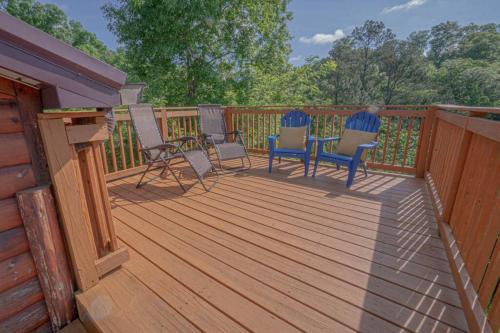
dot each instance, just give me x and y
(139, 184)
(271, 157)
(365, 169)
(350, 177)
(338, 166)
(306, 166)
(176, 178)
(316, 162)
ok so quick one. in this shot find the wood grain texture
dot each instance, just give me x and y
(112, 261)
(10, 119)
(27, 320)
(75, 326)
(13, 150)
(86, 133)
(16, 270)
(30, 106)
(7, 87)
(14, 179)
(39, 216)
(12, 243)
(10, 217)
(63, 164)
(306, 251)
(19, 297)
(121, 303)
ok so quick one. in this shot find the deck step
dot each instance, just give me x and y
(75, 326)
(121, 303)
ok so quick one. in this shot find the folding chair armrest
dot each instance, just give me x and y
(163, 146)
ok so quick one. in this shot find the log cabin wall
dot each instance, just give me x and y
(22, 166)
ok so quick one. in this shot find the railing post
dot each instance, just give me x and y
(425, 144)
(164, 124)
(228, 118)
(64, 170)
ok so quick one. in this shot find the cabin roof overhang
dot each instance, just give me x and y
(67, 77)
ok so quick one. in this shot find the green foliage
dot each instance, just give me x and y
(235, 52)
(196, 51)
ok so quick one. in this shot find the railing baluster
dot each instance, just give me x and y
(408, 139)
(178, 122)
(122, 148)
(253, 130)
(332, 132)
(247, 129)
(396, 142)
(102, 149)
(172, 127)
(387, 130)
(130, 145)
(113, 152)
(139, 153)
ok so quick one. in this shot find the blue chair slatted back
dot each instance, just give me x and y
(296, 118)
(363, 121)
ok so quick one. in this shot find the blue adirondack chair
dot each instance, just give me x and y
(361, 121)
(295, 118)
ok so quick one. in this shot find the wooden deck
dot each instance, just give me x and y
(277, 253)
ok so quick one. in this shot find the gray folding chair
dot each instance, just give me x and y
(160, 152)
(213, 130)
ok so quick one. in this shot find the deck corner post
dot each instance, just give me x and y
(425, 145)
(39, 217)
(228, 119)
(66, 178)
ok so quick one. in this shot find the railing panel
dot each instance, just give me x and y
(445, 154)
(464, 168)
(398, 138)
(474, 222)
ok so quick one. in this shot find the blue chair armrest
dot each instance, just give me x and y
(362, 147)
(333, 138)
(272, 141)
(322, 141)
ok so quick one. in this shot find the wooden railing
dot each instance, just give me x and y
(399, 137)
(463, 172)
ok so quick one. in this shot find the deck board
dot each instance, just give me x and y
(282, 252)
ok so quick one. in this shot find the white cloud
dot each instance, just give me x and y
(404, 7)
(296, 58)
(319, 39)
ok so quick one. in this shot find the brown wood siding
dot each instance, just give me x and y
(22, 306)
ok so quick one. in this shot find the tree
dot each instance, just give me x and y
(193, 51)
(401, 62)
(367, 40)
(469, 82)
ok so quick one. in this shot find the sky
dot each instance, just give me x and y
(317, 24)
